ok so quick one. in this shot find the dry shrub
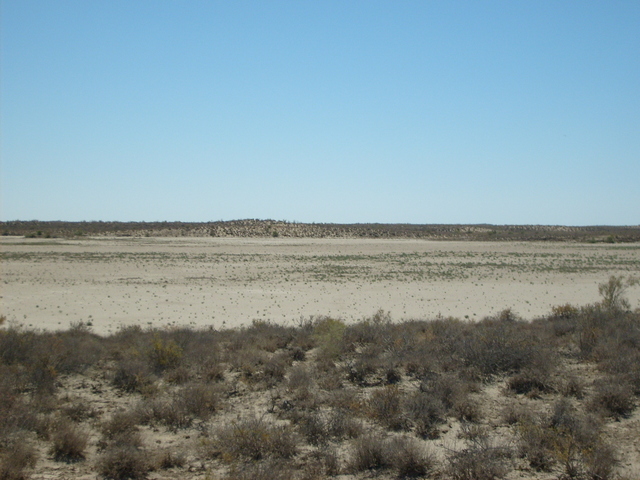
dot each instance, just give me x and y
(132, 375)
(18, 457)
(78, 410)
(571, 386)
(369, 452)
(569, 440)
(167, 411)
(68, 442)
(123, 462)
(426, 412)
(529, 381)
(409, 458)
(385, 405)
(479, 461)
(178, 376)
(319, 427)
(121, 423)
(320, 464)
(300, 378)
(497, 346)
(255, 439)
(212, 370)
(200, 400)
(275, 368)
(613, 398)
(169, 458)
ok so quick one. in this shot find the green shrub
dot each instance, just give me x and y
(164, 354)
(328, 334)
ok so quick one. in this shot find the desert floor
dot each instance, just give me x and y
(227, 282)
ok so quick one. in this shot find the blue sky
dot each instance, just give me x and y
(505, 112)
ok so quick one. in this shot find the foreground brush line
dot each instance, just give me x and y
(273, 228)
(501, 398)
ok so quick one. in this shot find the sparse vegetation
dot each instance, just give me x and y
(327, 397)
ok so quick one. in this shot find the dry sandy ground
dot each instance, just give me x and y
(226, 282)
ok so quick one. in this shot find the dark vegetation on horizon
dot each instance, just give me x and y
(366, 398)
(273, 228)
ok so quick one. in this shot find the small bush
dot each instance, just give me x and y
(320, 427)
(199, 400)
(300, 378)
(131, 375)
(328, 334)
(613, 398)
(529, 381)
(565, 311)
(479, 462)
(369, 453)
(569, 440)
(16, 459)
(170, 458)
(571, 386)
(164, 354)
(410, 459)
(426, 412)
(613, 292)
(78, 410)
(386, 406)
(122, 423)
(275, 368)
(537, 445)
(255, 439)
(123, 462)
(69, 443)
(320, 464)
(167, 411)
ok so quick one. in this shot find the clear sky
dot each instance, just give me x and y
(505, 112)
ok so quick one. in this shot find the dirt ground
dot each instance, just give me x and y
(227, 282)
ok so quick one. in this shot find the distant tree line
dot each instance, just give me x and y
(274, 228)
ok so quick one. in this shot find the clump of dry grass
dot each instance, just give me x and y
(255, 439)
(69, 442)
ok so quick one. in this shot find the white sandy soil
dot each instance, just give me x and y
(227, 282)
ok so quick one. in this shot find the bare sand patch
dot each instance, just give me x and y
(227, 282)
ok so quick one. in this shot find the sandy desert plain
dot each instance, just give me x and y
(228, 282)
(300, 358)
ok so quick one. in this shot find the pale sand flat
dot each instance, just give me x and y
(228, 282)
